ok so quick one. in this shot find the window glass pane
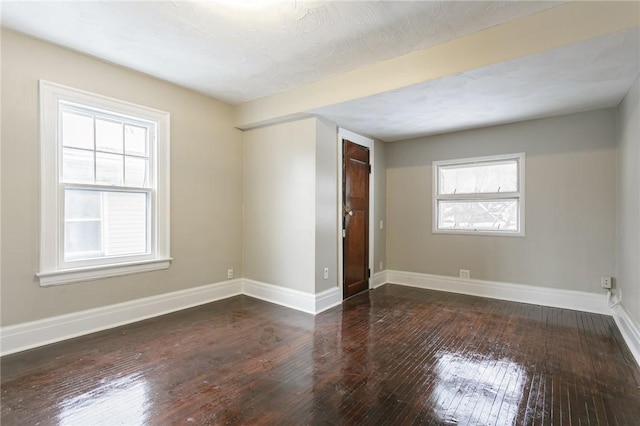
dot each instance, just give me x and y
(109, 136)
(82, 224)
(136, 140)
(479, 178)
(109, 168)
(77, 130)
(77, 166)
(136, 171)
(82, 204)
(82, 239)
(498, 215)
(126, 223)
(105, 223)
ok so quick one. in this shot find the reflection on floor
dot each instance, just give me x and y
(119, 402)
(394, 355)
(477, 382)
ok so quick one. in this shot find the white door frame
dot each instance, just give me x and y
(369, 143)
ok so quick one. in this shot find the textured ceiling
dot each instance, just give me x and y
(581, 77)
(236, 53)
(241, 50)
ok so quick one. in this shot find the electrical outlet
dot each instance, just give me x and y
(381, 266)
(465, 274)
(229, 273)
(381, 224)
(326, 273)
(605, 282)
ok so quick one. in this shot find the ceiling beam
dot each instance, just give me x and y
(563, 25)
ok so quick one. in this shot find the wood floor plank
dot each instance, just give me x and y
(395, 355)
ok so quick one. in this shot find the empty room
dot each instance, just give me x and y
(289, 212)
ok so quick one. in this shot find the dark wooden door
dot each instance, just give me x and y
(355, 207)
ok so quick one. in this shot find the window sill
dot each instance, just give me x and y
(481, 233)
(69, 276)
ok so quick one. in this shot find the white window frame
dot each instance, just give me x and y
(53, 269)
(519, 195)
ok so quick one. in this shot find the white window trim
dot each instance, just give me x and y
(520, 195)
(51, 209)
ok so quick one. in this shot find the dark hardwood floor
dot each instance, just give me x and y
(394, 355)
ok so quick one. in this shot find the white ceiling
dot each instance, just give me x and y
(581, 77)
(240, 50)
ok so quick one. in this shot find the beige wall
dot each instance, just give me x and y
(326, 182)
(206, 182)
(628, 201)
(570, 204)
(291, 204)
(380, 207)
(279, 204)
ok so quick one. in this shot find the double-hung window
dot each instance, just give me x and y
(104, 186)
(482, 196)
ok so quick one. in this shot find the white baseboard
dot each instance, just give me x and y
(294, 299)
(328, 299)
(546, 296)
(29, 335)
(378, 279)
(20, 337)
(629, 329)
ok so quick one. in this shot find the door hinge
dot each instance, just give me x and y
(344, 234)
(369, 273)
(369, 168)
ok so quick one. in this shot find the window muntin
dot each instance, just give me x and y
(102, 150)
(479, 195)
(104, 186)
